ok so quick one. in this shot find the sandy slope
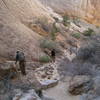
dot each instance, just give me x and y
(14, 35)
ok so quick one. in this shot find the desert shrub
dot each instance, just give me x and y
(43, 22)
(49, 44)
(88, 32)
(86, 52)
(76, 68)
(85, 69)
(45, 59)
(54, 31)
(66, 20)
(76, 35)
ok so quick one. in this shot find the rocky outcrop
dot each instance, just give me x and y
(79, 85)
(48, 84)
(86, 9)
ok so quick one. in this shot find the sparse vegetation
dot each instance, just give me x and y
(49, 44)
(54, 31)
(86, 52)
(45, 59)
(76, 21)
(66, 20)
(88, 32)
(76, 35)
(43, 22)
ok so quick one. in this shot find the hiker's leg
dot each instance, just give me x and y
(22, 67)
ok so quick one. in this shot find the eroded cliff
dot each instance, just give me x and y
(86, 9)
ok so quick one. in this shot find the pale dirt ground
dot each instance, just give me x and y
(60, 92)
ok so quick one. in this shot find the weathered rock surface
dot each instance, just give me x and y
(79, 85)
(86, 9)
(29, 95)
(15, 34)
(48, 84)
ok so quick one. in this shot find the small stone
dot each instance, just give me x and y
(48, 84)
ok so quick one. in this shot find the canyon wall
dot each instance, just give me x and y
(86, 9)
(14, 14)
(14, 34)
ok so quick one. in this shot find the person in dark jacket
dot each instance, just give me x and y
(20, 57)
(53, 54)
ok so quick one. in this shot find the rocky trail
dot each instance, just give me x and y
(60, 91)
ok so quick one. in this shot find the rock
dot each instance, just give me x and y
(7, 69)
(79, 85)
(29, 95)
(72, 42)
(76, 28)
(48, 84)
(77, 8)
(97, 85)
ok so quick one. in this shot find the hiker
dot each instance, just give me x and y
(53, 54)
(20, 57)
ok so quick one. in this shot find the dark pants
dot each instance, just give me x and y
(53, 55)
(22, 67)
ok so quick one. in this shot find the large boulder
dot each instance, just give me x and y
(80, 84)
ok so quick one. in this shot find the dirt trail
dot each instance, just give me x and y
(60, 92)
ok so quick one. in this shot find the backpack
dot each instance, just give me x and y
(21, 56)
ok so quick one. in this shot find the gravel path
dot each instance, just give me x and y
(60, 92)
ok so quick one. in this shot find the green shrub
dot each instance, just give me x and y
(76, 35)
(66, 20)
(49, 44)
(88, 32)
(45, 59)
(54, 31)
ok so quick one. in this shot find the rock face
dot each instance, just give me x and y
(15, 15)
(86, 9)
(15, 35)
(79, 85)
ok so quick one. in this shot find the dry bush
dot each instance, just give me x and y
(86, 52)
(43, 22)
(50, 45)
